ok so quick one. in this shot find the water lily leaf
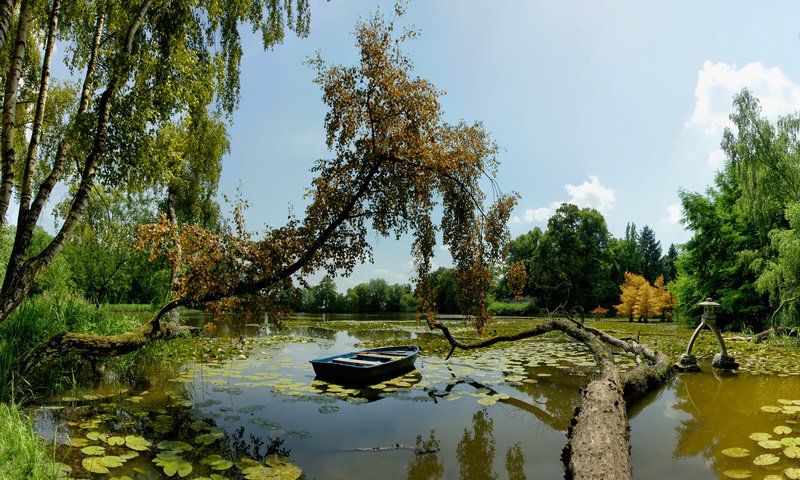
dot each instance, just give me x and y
(93, 450)
(175, 445)
(115, 440)
(793, 473)
(771, 409)
(770, 444)
(95, 435)
(737, 473)
(736, 452)
(792, 452)
(77, 442)
(94, 465)
(766, 459)
(90, 397)
(277, 468)
(129, 454)
(208, 438)
(774, 477)
(759, 436)
(172, 463)
(61, 470)
(216, 462)
(135, 442)
(487, 401)
(782, 430)
(112, 461)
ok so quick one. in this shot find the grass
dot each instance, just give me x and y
(22, 453)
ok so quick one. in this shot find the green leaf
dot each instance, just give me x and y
(792, 452)
(94, 465)
(736, 452)
(766, 459)
(208, 438)
(112, 461)
(172, 463)
(770, 444)
(782, 430)
(216, 462)
(93, 450)
(759, 436)
(135, 442)
(116, 440)
(174, 445)
(737, 473)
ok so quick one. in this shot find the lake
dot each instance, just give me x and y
(493, 414)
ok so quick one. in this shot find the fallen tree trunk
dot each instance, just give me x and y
(93, 347)
(598, 441)
(760, 337)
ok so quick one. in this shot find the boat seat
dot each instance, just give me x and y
(402, 353)
(355, 361)
(376, 355)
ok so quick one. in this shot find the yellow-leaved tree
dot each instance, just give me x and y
(641, 300)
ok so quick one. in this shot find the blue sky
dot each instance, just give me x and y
(614, 105)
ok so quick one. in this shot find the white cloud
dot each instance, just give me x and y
(674, 213)
(535, 214)
(592, 195)
(717, 83)
(589, 194)
(716, 159)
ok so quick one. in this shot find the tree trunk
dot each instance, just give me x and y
(6, 15)
(598, 445)
(93, 347)
(9, 109)
(174, 274)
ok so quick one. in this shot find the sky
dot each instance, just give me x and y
(613, 105)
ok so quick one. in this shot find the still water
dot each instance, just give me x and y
(496, 414)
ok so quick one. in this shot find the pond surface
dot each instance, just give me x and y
(494, 414)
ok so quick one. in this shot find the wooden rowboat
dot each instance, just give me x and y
(366, 366)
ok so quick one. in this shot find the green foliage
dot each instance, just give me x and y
(375, 296)
(105, 267)
(22, 454)
(42, 316)
(514, 309)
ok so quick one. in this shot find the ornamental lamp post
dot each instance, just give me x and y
(688, 362)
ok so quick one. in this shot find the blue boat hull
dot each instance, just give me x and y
(366, 366)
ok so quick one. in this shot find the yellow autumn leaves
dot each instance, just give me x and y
(641, 300)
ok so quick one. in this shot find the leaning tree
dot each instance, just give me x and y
(396, 167)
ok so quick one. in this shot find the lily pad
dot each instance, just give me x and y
(782, 430)
(112, 461)
(277, 468)
(93, 450)
(766, 459)
(77, 442)
(760, 436)
(792, 452)
(94, 465)
(129, 454)
(771, 409)
(208, 438)
(175, 445)
(736, 452)
(793, 473)
(173, 463)
(115, 440)
(216, 462)
(770, 444)
(487, 401)
(135, 442)
(737, 473)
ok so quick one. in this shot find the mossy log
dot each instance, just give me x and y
(94, 347)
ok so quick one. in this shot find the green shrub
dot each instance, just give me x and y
(517, 309)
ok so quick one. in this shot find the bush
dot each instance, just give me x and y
(514, 309)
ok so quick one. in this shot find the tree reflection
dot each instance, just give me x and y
(475, 451)
(475, 454)
(426, 464)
